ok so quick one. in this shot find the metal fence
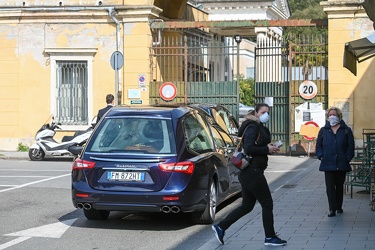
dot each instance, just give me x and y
(199, 65)
(281, 66)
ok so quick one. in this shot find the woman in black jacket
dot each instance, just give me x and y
(335, 149)
(256, 142)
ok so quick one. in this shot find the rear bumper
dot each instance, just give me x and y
(140, 202)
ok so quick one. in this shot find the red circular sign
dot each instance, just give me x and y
(308, 90)
(310, 123)
(168, 91)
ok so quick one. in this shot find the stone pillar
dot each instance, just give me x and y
(348, 21)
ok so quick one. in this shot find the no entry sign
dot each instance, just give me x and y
(316, 129)
(168, 91)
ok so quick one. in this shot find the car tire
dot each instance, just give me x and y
(208, 215)
(36, 154)
(93, 214)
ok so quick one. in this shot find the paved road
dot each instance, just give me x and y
(300, 214)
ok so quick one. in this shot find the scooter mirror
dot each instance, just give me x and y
(93, 121)
(75, 150)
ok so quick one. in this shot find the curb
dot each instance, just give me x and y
(8, 157)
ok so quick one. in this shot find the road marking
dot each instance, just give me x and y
(24, 176)
(55, 230)
(34, 182)
(13, 242)
(40, 170)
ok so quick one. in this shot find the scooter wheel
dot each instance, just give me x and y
(36, 154)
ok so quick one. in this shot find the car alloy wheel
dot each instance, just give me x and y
(208, 215)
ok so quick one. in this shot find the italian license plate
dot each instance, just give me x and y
(126, 176)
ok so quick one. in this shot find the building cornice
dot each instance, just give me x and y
(72, 51)
(343, 9)
(77, 14)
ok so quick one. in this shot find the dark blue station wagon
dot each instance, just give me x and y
(155, 159)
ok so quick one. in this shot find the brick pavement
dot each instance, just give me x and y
(300, 211)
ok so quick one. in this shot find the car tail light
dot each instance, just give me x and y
(171, 198)
(182, 167)
(80, 164)
(82, 195)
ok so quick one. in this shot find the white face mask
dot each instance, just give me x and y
(264, 118)
(333, 120)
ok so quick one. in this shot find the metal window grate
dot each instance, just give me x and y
(71, 89)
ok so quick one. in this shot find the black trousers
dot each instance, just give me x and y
(335, 188)
(254, 188)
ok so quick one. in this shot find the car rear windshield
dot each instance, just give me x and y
(134, 135)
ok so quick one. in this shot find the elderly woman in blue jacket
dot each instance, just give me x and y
(335, 149)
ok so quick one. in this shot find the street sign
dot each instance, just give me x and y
(310, 133)
(117, 60)
(308, 90)
(168, 91)
(135, 101)
(141, 81)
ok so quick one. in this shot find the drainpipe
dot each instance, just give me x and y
(118, 87)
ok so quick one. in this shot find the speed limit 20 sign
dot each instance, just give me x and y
(308, 90)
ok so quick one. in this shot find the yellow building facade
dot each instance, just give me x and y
(354, 94)
(49, 48)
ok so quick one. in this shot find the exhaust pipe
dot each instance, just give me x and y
(169, 209)
(87, 206)
(166, 209)
(79, 205)
(175, 209)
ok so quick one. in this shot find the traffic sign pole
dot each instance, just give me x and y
(117, 61)
(310, 123)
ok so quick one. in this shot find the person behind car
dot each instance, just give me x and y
(256, 142)
(110, 99)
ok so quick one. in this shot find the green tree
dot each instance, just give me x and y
(306, 37)
(247, 91)
(307, 9)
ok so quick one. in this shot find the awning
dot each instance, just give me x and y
(359, 51)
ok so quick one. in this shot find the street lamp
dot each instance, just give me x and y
(238, 40)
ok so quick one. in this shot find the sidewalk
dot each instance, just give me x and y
(300, 211)
(14, 155)
(18, 155)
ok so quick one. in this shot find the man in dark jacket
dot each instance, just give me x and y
(110, 101)
(335, 149)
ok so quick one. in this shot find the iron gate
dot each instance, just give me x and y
(281, 66)
(200, 65)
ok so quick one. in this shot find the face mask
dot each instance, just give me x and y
(264, 118)
(333, 120)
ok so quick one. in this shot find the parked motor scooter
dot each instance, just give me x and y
(46, 146)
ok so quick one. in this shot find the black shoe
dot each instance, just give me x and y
(219, 233)
(331, 213)
(340, 211)
(274, 241)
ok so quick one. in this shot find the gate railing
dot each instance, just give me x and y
(281, 66)
(199, 65)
